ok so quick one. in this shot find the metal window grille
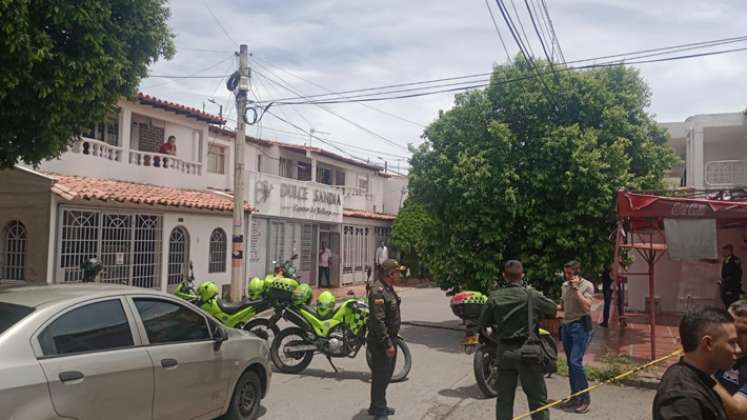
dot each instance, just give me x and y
(307, 246)
(178, 255)
(116, 244)
(79, 242)
(277, 242)
(218, 251)
(146, 254)
(15, 251)
(348, 247)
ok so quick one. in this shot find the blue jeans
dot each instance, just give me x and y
(575, 340)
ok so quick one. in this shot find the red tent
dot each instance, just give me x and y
(642, 216)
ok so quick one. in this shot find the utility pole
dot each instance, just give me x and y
(237, 254)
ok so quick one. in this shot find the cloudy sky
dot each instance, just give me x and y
(341, 45)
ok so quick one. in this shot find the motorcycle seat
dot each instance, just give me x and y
(233, 308)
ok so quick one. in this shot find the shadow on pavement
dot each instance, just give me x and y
(363, 414)
(434, 336)
(464, 392)
(262, 411)
(342, 375)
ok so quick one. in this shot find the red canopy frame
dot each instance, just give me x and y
(644, 214)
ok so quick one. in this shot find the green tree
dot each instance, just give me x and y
(515, 171)
(64, 64)
(408, 232)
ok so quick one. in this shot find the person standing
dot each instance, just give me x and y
(576, 298)
(169, 147)
(732, 386)
(686, 391)
(324, 255)
(383, 327)
(607, 292)
(507, 314)
(731, 276)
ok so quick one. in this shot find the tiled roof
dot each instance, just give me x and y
(179, 109)
(362, 214)
(298, 147)
(108, 190)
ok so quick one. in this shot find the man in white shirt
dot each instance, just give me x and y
(324, 256)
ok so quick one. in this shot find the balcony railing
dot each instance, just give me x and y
(168, 162)
(721, 173)
(353, 192)
(97, 149)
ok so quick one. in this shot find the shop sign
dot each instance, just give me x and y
(275, 196)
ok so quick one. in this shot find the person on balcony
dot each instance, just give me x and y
(169, 147)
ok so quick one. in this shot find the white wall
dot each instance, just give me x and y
(200, 227)
(680, 284)
(395, 193)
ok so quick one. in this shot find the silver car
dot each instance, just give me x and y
(92, 352)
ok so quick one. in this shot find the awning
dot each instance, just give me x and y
(645, 206)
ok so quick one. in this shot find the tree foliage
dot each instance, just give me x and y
(408, 234)
(64, 64)
(514, 171)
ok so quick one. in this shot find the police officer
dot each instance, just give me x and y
(507, 314)
(383, 327)
(731, 276)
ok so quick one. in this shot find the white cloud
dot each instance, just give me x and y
(353, 44)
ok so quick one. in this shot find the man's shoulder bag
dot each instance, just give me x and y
(538, 349)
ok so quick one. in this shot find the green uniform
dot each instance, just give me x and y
(383, 326)
(506, 313)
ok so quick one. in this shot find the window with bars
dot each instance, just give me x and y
(285, 168)
(216, 159)
(347, 258)
(129, 246)
(14, 251)
(304, 171)
(218, 250)
(324, 175)
(178, 255)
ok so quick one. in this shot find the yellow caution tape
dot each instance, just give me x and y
(608, 381)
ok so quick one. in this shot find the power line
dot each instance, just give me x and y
(485, 82)
(498, 31)
(220, 24)
(195, 75)
(521, 25)
(537, 31)
(362, 104)
(349, 121)
(544, 31)
(552, 30)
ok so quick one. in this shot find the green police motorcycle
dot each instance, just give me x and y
(334, 331)
(234, 315)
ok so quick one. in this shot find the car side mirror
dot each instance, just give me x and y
(219, 336)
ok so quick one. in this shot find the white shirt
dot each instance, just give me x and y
(382, 254)
(324, 258)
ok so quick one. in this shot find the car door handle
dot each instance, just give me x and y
(70, 375)
(167, 363)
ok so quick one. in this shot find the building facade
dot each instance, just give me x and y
(713, 153)
(150, 213)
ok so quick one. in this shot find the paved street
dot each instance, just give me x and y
(440, 386)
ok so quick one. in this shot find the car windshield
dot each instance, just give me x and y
(11, 313)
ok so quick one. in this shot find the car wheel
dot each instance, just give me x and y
(246, 398)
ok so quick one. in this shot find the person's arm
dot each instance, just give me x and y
(735, 405)
(584, 296)
(486, 316)
(546, 306)
(680, 408)
(377, 327)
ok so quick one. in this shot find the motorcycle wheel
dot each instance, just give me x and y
(284, 361)
(262, 328)
(403, 364)
(485, 370)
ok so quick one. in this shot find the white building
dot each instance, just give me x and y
(713, 149)
(147, 215)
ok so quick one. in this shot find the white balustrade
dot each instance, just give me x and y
(168, 162)
(723, 173)
(97, 149)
